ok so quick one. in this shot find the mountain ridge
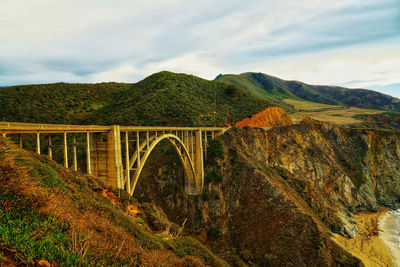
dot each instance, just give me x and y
(279, 89)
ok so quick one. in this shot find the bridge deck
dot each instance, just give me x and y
(17, 127)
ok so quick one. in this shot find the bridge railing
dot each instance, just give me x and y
(16, 127)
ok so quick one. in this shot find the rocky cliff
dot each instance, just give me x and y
(269, 117)
(274, 197)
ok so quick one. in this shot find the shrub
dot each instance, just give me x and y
(205, 196)
(215, 150)
(213, 175)
(214, 232)
(232, 91)
(188, 246)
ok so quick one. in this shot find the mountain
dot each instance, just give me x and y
(55, 103)
(277, 89)
(163, 98)
(167, 98)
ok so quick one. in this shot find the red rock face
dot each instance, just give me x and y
(270, 117)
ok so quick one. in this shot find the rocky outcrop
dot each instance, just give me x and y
(272, 116)
(283, 192)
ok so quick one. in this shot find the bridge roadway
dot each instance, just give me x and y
(119, 160)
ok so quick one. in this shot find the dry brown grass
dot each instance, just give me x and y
(100, 232)
(340, 117)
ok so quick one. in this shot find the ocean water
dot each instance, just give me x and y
(396, 231)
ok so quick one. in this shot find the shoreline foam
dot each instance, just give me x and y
(367, 244)
(390, 235)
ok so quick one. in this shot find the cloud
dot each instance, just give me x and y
(351, 42)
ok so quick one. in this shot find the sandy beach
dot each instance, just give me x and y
(367, 245)
(389, 234)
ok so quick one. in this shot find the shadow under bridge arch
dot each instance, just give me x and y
(194, 179)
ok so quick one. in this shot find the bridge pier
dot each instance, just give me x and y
(198, 158)
(38, 143)
(114, 158)
(50, 146)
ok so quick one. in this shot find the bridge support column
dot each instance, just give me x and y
(38, 143)
(88, 154)
(127, 167)
(75, 161)
(198, 160)
(205, 144)
(20, 140)
(114, 158)
(50, 147)
(65, 151)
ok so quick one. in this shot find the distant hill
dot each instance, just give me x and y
(167, 98)
(163, 98)
(277, 89)
(55, 103)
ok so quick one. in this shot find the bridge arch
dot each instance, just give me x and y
(192, 184)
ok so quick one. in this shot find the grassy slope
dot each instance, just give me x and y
(167, 98)
(344, 116)
(48, 212)
(161, 99)
(275, 87)
(332, 95)
(265, 88)
(55, 103)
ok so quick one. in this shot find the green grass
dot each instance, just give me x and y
(47, 176)
(275, 89)
(36, 236)
(188, 246)
(262, 88)
(307, 105)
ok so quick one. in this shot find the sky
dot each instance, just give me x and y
(351, 43)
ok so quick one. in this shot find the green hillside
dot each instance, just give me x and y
(277, 89)
(52, 214)
(55, 103)
(167, 98)
(163, 98)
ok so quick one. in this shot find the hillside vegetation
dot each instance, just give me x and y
(279, 89)
(55, 103)
(167, 98)
(54, 215)
(163, 98)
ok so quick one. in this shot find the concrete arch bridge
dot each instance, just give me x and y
(117, 154)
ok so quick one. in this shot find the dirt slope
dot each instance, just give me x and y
(269, 117)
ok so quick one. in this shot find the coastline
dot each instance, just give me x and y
(367, 245)
(389, 234)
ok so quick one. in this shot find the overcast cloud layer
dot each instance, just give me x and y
(354, 43)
